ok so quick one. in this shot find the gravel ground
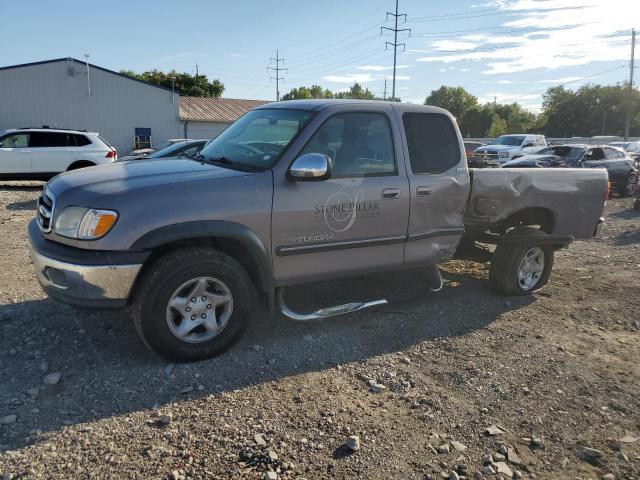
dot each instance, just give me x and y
(412, 387)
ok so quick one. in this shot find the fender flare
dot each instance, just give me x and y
(214, 229)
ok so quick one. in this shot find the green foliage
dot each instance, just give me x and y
(455, 99)
(590, 110)
(185, 83)
(498, 126)
(316, 91)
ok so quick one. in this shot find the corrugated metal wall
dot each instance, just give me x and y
(55, 94)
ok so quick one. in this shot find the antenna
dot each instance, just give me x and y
(86, 57)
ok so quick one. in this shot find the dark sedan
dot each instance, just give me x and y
(187, 148)
(623, 174)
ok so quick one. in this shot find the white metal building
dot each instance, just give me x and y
(62, 93)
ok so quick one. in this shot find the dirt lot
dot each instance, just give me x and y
(558, 373)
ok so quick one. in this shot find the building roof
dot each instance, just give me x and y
(91, 65)
(224, 110)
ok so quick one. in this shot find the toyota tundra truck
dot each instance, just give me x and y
(292, 193)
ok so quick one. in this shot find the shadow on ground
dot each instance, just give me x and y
(26, 205)
(107, 371)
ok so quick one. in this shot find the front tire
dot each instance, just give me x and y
(193, 303)
(520, 269)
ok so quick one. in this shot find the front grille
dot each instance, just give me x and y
(44, 213)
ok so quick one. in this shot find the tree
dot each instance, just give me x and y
(185, 83)
(357, 92)
(498, 126)
(455, 99)
(315, 91)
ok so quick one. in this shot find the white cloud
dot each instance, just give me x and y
(453, 45)
(465, 69)
(505, 82)
(402, 77)
(380, 68)
(234, 55)
(350, 78)
(566, 33)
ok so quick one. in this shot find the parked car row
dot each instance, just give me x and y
(42, 153)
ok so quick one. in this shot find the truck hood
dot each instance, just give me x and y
(499, 148)
(117, 177)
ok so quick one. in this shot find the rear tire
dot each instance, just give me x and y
(180, 311)
(629, 186)
(518, 269)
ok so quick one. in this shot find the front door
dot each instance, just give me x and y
(352, 223)
(15, 154)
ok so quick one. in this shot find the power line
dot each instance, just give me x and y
(277, 69)
(395, 43)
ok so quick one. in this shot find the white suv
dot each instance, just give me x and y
(41, 153)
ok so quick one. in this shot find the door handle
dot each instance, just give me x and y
(423, 191)
(390, 193)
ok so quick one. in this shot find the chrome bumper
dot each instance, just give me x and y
(84, 285)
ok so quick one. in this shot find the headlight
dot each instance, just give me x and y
(85, 223)
(503, 154)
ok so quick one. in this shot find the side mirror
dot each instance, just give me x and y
(526, 145)
(311, 166)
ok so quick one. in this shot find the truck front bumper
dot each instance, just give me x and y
(83, 278)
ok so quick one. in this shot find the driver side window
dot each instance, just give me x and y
(359, 144)
(16, 140)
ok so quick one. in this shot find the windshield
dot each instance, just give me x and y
(572, 153)
(509, 140)
(257, 139)
(167, 151)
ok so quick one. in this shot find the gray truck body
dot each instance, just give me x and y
(286, 232)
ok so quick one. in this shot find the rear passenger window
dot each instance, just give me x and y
(48, 139)
(432, 140)
(81, 140)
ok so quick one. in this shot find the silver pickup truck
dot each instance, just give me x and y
(291, 193)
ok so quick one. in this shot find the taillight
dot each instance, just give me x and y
(112, 154)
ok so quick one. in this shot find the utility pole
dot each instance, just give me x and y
(395, 43)
(384, 97)
(630, 94)
(277, 69)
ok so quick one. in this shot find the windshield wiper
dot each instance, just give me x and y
(224, 161)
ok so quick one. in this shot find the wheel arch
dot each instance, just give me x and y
(81, 164)
(233, 239)
(541, 216)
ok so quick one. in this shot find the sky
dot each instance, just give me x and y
(504, 50)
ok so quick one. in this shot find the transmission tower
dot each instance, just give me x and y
(277, 69)
(395, 43)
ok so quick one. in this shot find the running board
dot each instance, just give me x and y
(347, 307)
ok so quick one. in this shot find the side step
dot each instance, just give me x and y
(327, 312)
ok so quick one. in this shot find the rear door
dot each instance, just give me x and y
(354, 222)
(53, 152)
(15, 154)
(617, 165)
(439, 183)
